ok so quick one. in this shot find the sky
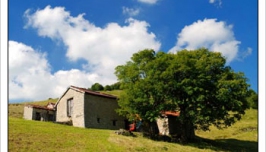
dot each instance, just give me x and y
(55, 44)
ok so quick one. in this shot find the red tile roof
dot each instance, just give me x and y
(94, 92)
(171, 113)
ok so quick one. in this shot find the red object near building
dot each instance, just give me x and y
(132, 127)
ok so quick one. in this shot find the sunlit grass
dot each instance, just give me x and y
(26, 135)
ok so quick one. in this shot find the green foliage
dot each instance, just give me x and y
(97, 87)
(107, 88)
(197, 83)
(115, 86)
(252, 99)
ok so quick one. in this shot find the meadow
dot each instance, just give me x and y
(27, 135)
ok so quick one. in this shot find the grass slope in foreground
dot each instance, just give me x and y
(26, 135)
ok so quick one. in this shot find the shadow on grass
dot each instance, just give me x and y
(231, 145)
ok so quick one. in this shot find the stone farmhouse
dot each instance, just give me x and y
(84, 108)
(88, 109)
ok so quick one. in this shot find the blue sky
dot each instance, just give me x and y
(55, 44)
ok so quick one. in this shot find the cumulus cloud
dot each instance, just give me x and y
(30, 77)
(102, 47)
(130, 11)
(148, 1)
(209, 33)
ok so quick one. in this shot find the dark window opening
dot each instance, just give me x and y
(38, 116)
(98, 120)
(127, 123)
(114, 122)
(70, 107)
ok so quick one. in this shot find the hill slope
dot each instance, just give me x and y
(25, 135)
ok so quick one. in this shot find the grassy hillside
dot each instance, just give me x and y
(25, 135)
(113, 92)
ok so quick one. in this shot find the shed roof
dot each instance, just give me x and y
(171, 113)
(39, 107)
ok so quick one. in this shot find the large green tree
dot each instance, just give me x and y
(196, 83)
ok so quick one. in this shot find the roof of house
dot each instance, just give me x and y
(171, 113)
(86, 91)
(39, 107)
(93, 92)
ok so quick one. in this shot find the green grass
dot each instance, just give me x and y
(113, 92)
(26, 135)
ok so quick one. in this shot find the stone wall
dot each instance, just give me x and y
(27, 112)
(163, 125)
(44, 114)
(77, 117)
(100, 113)
(168, 125)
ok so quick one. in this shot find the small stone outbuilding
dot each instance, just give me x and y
(168, 123)
(41, 113)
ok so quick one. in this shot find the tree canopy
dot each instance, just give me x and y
(252, 99)
(196, 83)
(97, 87)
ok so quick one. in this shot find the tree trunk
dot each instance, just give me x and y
(150, 128)
(187, 131)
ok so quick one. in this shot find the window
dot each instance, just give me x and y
(98, 120)
(114, 122)
(70, 107)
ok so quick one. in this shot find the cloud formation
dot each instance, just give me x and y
(216, 2)
(130, 11)
(30, 76)
(102, 48)
(209, 33)
(148, 1)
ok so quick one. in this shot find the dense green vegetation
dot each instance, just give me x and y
(25, 135)
(99, 87)
(197, 83)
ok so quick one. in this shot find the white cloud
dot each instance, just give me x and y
(130, 11)
(209, 33)
(216, 2)
(30, 77)
(149, 1)
(102, 48)
(246, 53)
